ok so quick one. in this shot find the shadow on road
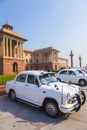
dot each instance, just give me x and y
(27, 112)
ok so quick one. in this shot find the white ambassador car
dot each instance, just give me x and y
(72, 76)
(41, 89)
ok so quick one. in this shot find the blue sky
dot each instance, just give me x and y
(58, 23)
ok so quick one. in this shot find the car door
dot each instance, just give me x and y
(32, 90)
(19, 85)
(63, 76)
(72, 77)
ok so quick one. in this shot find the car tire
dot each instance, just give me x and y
(82, 82)
(13, 95)
(83, 96)
(51, 108)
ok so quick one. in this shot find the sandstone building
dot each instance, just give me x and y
(15, 58)
(46, 59)
(11, 50)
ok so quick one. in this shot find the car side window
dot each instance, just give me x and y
(71, 73)
(32, 80)
(21, 78)
(63, 72)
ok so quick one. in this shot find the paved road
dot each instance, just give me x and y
(19, 116)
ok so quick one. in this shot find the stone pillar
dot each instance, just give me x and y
(52, 59)
(7, 46)
(17, 49)
(21, 50)
(0, 46)
(3, 46)
(10, 47)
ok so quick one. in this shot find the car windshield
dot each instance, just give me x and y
(47, 78)
(78, 72)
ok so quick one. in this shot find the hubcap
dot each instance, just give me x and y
(12, 95)
(82, 83)
(51, 109)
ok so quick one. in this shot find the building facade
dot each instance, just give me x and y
(11, 50)
(15, 58)
(44, 59)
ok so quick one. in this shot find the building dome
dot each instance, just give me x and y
(8, 26)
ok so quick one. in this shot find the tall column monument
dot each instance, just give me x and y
(80, 59)
(71, 56)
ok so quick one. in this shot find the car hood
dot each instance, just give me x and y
(64, 87)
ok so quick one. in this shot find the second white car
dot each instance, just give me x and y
(72, 76)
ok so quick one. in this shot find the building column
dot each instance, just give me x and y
(52, 59)
(3, 46)
(6, 46)
(10, 47)
(21, 50)
(17, 49)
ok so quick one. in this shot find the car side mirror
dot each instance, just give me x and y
(36, 82)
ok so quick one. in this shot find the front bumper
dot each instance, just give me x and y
(77, 102)
(68, 108)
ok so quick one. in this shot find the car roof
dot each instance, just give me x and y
(68, 69)
(35, 72)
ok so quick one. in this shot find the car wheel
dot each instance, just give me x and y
(82, 82)
(83, 97)
(12, 95)
(51, 108)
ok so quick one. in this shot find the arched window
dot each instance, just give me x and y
(15, 67)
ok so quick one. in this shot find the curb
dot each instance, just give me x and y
(2, 89)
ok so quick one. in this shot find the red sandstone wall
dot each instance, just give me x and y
(1, 65)
(41, 66)
(8, 65)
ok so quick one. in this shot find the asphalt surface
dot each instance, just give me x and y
(19, 116)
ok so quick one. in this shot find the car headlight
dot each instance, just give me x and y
(68, 95)
(69, 101)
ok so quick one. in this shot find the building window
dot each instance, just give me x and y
(30, 60)
(31, 68)
(37, 61)
(26, 53)
(27, 61)
(55, 67)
